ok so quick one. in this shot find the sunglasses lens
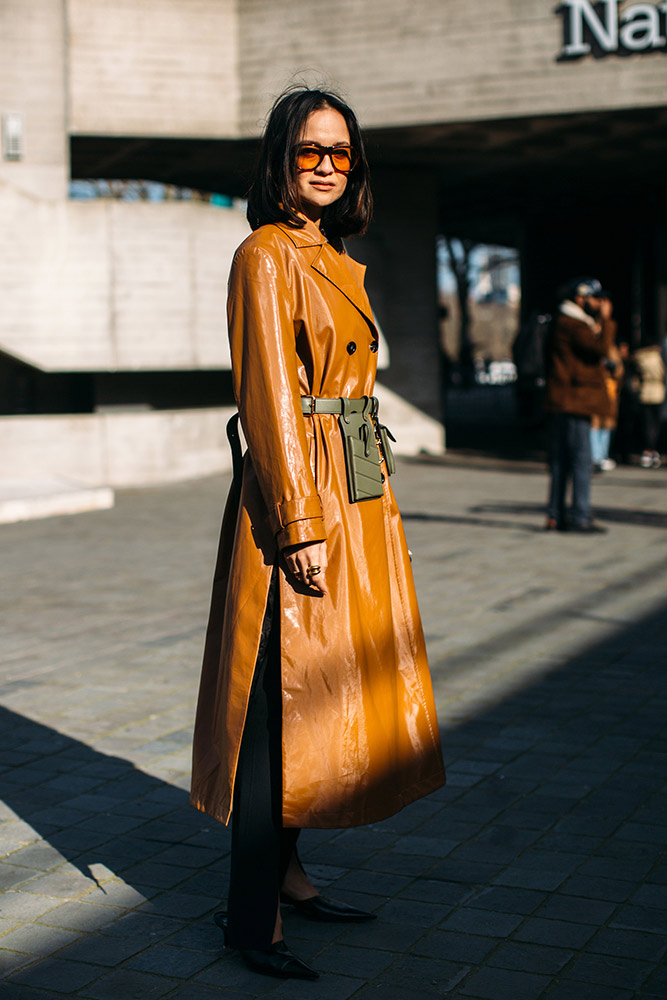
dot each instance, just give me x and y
(342, 159)
(307, 157)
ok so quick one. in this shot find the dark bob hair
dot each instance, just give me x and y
(273, 195)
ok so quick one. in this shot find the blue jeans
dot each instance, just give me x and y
(600, 441)
(570, 458)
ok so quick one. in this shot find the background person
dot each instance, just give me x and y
(650, 373)
(580, 338)
(316, 707)
(602, 425)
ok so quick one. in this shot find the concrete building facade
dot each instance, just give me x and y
(508, 121)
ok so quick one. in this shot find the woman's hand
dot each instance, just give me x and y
(300, 558)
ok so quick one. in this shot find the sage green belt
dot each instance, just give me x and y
(317, 404)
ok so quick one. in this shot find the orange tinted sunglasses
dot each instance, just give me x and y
(310, 155)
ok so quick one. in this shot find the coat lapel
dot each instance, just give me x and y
(333, 266)
(336, 269)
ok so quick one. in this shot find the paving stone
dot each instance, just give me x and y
(393, 937)
(377, 883)
(435, 891)
(640, 918)
(606, 970)
(629, 944)
(362, 963)
(192, 991)
(57, 975)
(37, 940)
(170, 961)
(12, 991)
(329, 987)
(531, 958)
(12, 961)
(469, 872)
(144, 926)
(58, 885)
(102, 950)
(387, 991)
(576, 909)
(486, 853)
(433, 978)
(128, 984)
(557, 933)
(409, 911)
(481, 922)
(597, 888)
(80, 916)
(20, 906)
(156, 875)
(399, 864)
(12, 876)
(567, 989)
(508, 900)
(466, 948)
(530, 878)
(653, 896)
(499, 984)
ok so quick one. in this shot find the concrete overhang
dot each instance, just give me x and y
(491, 173)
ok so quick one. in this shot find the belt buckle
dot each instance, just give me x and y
(311, 404)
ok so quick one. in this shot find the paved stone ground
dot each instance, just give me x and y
(539, 872)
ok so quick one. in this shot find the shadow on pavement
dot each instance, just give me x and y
(112, 836)
(540, 869)
(615, 515)
(478, 522)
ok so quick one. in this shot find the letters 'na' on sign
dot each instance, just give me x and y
(602, 29)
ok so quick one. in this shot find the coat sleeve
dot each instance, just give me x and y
(264, 365)
(592, 345)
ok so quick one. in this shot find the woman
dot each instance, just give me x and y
(650, 369)
(315, 706)
(602, 425)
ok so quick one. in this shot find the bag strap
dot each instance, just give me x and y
(234, 439)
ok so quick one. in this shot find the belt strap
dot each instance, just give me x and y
(313, 404)
(317, 404)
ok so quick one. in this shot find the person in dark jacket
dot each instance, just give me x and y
(581, 337)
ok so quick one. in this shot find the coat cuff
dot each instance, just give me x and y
(297, 521)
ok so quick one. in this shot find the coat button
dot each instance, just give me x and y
(351, 347)
(374, 346)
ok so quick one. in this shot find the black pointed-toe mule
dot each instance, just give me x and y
(278, 961)
(321, 908)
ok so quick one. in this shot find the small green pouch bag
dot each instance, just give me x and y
(362, 458)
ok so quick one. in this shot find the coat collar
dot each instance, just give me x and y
(309, 236)
(571, 309)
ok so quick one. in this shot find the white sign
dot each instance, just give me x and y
(600, 29)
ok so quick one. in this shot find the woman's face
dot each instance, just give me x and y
(323, 185)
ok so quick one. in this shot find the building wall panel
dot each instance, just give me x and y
(32, 82)
(103, 285)
(433, 61)
(153, 68)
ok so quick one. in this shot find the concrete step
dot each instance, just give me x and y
(25, 500)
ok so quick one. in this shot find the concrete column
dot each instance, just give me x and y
(399, 250)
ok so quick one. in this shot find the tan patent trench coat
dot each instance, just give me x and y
(360, 733)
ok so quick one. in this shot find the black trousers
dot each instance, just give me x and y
(651, 413)
(261, 846)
